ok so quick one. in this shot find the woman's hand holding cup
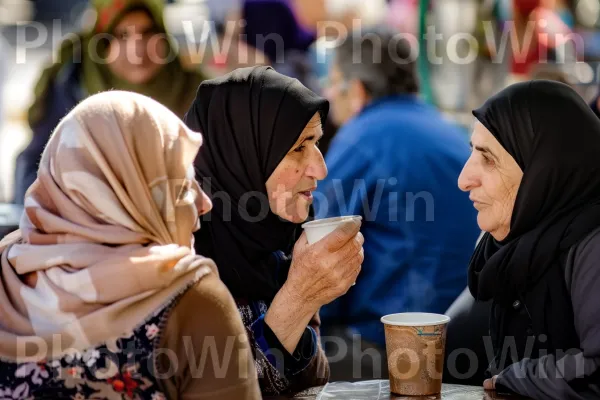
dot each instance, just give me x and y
(325, 270)
(320, 273)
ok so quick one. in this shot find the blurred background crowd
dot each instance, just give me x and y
(33, 29)
(461, 52)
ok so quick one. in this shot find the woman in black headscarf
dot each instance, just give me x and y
(534, 177)
(260, 163)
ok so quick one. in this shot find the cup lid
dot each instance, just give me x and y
(415, 319)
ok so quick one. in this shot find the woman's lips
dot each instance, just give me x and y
(307, 194)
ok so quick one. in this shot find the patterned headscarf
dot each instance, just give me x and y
(106, 236)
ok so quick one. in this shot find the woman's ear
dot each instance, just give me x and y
(358, 96)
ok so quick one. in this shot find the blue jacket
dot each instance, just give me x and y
(397, 164)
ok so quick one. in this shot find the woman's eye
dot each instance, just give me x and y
(186, 194)
(299, 149)
(488, 161)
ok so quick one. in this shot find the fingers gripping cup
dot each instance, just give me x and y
(318, 229)
(415, 345)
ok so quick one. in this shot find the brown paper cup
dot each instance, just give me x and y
(415, 345)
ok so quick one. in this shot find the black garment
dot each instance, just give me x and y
(250, 119)
(353, 359)
(576, 375)
(555, 138)
(465, 357)
(594, 106)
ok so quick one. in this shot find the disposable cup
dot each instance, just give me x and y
(318, 229)
(415, 345)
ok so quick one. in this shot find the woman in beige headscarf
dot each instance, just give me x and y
(101, 293)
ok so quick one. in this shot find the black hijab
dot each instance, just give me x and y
(249, 119)
(555, 138)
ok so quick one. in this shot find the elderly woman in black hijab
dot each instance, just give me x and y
(260, 163)
(534, 177)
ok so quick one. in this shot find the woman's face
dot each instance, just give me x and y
(291, 185)
(191, 203)
(493, 178)
(138, 51)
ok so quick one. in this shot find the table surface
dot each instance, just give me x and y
(380, 390)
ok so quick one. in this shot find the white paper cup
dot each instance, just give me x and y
(318, 229)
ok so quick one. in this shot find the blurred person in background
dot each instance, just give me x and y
(127, 49)
(262, 163)
(4, 49)
(8, 223)
(285, 30)
(259, 33)
(330, 19)
(542, 28)
(273, 28)
(394, 161)
(232, 51)
(102, 274)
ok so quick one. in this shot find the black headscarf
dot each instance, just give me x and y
(250, 119)
(555, 138)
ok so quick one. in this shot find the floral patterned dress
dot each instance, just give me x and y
(117, 370)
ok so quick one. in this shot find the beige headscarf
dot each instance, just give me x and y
(106, 237)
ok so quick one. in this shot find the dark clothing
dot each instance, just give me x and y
(279, 371)
(467, 341)
(63, 94)
(275, 17)
(249, 119)
(594, 106)
(353, 359)
(555, 138)
(272, 27)
(573, 373)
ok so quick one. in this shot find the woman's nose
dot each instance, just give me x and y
(203, 203)
(467, 179)
(316, 167)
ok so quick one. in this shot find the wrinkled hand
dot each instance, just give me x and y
(490, 384)
(324, 271)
